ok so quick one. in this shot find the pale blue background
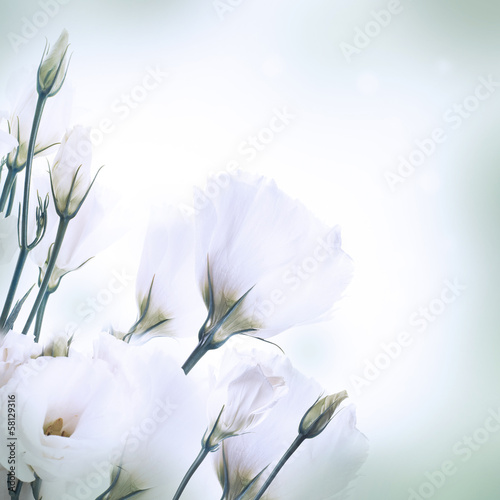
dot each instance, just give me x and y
(352, 121)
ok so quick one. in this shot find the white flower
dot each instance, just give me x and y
(320, 468)
(167, 296)
(52, 69)
(264, 263)
(242, 397)
(70, 414)
(100, 223)
(15, 350)
(168, 408)
(70, 174)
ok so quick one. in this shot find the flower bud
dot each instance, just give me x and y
(52, 69)
(70, 175)
(320, 414)
(249, 398)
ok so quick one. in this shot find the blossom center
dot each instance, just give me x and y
(55, 428)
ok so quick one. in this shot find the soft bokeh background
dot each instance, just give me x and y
(220, 78)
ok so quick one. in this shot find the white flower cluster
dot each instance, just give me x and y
(126, 417)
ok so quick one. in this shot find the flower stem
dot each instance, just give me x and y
(185, 480)
(7, 187)
(14, 494)
(21, 260)
(61, 230)
(40, 313)
(11, 198)
(293, 448)
(195, 356)
(23, 237)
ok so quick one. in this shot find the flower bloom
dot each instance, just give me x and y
(264, 263)
(166, 291)
(319, 469)
(70, 174)
(15, 350)
(241, 399)
(98, 226)
(69, 416)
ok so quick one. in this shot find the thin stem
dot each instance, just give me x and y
(61, 230)
(11, 198)
(27, 176)
(195, 356)
(14, 494)
(293, 448)
(185, 480)
(21, 260)
(40, 313)
(9, 182)
(23, 236)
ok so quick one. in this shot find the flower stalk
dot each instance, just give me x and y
(314, 421)
(40, 313)
(283, 460)
(194, 466)
(7, 189)
(61, 231)
(23, 228)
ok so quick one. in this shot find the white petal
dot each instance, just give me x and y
(257, 238)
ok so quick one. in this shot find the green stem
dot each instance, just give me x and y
(185, 480)
(293, 448)
(14, 494)
(61, 230)
(23, 237)
(11, 198)
(7, 187)
(21, 260)
(199, 351)
(39, 315)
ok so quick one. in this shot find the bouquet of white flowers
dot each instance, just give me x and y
(125, 418)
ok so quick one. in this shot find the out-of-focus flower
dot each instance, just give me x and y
(264, 263)
(320, 468)
(70, 174)
(70, 415)
(15, 350)
(167, 296)
(240, 401)
(167, 406)
(53, 68)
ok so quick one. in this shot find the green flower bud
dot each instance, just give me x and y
(320, 414)
(52, 69)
